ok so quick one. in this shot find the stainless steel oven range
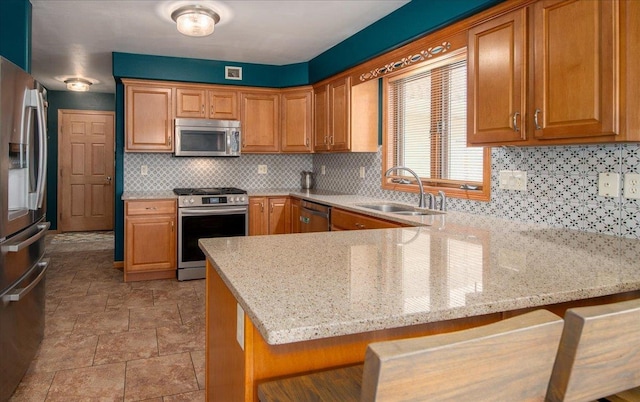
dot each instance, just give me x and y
(206, 213)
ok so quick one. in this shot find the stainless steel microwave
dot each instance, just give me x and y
(204, 137)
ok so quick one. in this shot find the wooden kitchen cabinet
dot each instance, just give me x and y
(570, 94)
(203, 103)
(346, 116)
(296, 117)
(347, 220)
(150, 240)
(148, 117)
(260, 119)
(269, 215)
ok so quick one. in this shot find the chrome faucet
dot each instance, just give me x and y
(443, 200)
(422, 200)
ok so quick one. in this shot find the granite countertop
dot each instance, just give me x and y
(300, 287)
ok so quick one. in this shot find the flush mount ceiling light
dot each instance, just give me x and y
(195, 20)
(78, 84)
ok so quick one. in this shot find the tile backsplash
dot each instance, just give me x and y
(166, 171)
(562, 182)
(562, 185)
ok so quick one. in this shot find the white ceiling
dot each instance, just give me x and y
(76, 37)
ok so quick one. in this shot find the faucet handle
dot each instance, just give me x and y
(443, 200)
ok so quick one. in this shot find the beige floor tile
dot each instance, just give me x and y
(33, 387)
(192, 310)
(184, 338)
(102, 323)
(198, 359)
(152, 317)
(170, 284)
(159, 376)
(173, 296)
(56, 325)
(83, 304)
(96, 274)
(65, 290)
(104, 383)
(195, 396)
(126, 346)
(109, 287)
(59, 353)
(134, 298)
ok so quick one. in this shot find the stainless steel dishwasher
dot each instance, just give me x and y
(314, 217)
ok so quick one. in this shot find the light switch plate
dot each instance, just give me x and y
(240, 326)
(609, 184)
(505, 175)
(144, 170)
(323, 170)
(632, 186)
(262, 169)
(362, 172)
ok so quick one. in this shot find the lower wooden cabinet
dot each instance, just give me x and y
(295, 215)
(269, 215)
(346, 220)
(150, 240)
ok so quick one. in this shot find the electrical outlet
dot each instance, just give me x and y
(323, 170)
(519, 180)
(504, 176)
(632, 186)
(144, 170)
(609, 185)
(262, 169)
(362, 172)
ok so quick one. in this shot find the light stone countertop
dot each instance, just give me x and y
(300, 287)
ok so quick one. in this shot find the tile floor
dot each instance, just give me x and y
(112, 341)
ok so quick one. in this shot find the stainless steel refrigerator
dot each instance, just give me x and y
(23, 161)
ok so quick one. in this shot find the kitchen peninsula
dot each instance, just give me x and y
(284, 304)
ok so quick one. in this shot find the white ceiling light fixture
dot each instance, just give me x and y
(78, 84)
(195, 20)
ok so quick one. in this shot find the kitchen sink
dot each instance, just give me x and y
(399, 209)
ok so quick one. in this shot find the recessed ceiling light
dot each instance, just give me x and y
(195, 20)
(78, 84)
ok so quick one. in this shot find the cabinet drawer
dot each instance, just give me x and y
(343, 220)
(151, 207)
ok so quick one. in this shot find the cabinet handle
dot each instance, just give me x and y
(360, 226)
(515, 122)
(151, 208)
(202, 109)
(331, 140)
(261, 207)
(169, 139)
(535, 119)
(306, 142)
(271, 208)
(172, 226)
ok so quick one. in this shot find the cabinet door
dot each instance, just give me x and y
(345, 220)
(279, 215)
(149, 119)
(258, 219)
(320, 119)
(296, 121)
(295, 215)
(191, 103)
(260, 118)
(339, 113)
(575, 69)
(223, 105)
(150, 243)
(497, 81)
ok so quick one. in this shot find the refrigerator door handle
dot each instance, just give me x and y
(19, 293)
(14, 248)
(37, 198)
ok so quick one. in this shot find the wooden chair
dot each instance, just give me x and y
(599, 354)
(510, 360)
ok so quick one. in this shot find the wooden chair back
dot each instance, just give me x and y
(599, 352)
(510, 360)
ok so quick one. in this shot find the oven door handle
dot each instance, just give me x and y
(220, 211)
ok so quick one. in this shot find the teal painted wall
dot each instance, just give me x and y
(66, 100)
(127, 65)
(118, 224)
(415, 19)
(15, 32)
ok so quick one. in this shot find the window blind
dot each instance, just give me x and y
(428, 124)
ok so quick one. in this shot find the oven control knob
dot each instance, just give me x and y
(242, 199)
(191, 201)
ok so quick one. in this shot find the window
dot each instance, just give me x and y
(426, 130)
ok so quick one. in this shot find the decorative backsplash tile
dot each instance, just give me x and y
(562, 188)
(562, 185)
(166, 171)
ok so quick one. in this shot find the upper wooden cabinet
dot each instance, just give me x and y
(296, 119)
(346, 116)
(205, 103)
(260, 119)
(148, 117)
(558, 87)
